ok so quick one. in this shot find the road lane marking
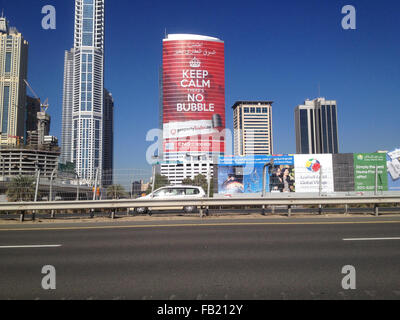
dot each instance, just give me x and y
(32, 246)
(370, 239)
(223, 224)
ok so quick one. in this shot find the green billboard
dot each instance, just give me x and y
(365, 177)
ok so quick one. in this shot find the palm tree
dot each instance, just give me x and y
(116, 191)
(21, 188)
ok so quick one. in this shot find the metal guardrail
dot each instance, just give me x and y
(200, 203)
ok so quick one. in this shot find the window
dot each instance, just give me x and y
(252, 110)
(258, 110)
(246, 110)
(87, 39)
(87, 25)
(304, 131)
(159, 193)
(330, 150)
(335, 135)
(192, 191)
(6, 101)
(88, 11)
(8, 62)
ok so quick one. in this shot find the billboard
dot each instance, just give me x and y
(343, 172)
(193, 94)
(313, 172)
(393, 166)
(365, 165)
(244, 174)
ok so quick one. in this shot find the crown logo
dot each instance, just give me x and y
(195, 63)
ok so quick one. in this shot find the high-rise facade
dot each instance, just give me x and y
(87, 58)
(252, 122)
(68, 92)
(108, 138)
(316, 127)
(13, 72)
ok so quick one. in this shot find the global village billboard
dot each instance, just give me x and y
(193, 94)
(313, 171)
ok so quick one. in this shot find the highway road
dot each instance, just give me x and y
(251, 259)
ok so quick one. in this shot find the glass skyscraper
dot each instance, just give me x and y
(316, 127)
(87, 85)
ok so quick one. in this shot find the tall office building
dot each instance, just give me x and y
(316, 127)
(68, 92)
(87, 59)
(252, 122)
(13, 71)
(108, 138)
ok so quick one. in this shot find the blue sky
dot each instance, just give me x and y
(275, 50)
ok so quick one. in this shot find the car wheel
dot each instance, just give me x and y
(190, 209)
(141, 210)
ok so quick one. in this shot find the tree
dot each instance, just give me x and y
(201, 181)
(159, 182)
(116, 191)
(187, 182)
(21, 188)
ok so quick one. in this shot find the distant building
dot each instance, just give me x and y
(32, 108)
(138, 187)
(13, 71)
(316, 127)
(252, 123)
(22, 161)
(66, 135)
(190, 167)
(108, 138)
(40, 138)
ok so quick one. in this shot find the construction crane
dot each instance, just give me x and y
(43, 106)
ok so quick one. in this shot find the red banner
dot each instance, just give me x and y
(193, 94)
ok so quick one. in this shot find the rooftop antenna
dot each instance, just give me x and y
(319, 90)
(165, 33)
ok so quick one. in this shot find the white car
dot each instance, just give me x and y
(174, 193)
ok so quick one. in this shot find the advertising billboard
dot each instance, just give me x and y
(343, 172)
(244, 174)
(393, 166)
(193, 94)
(365, 165)
(313, 172)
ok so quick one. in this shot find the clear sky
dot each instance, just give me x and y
(275, 50)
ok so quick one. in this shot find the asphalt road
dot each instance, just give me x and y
(204, 259)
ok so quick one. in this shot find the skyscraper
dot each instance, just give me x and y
(316, 127)
(252, 122)
(66, 137)
(13, 71)
(87, 90)
(108, 138)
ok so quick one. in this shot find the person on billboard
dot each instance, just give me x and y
(287, 180)
(276, 179)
